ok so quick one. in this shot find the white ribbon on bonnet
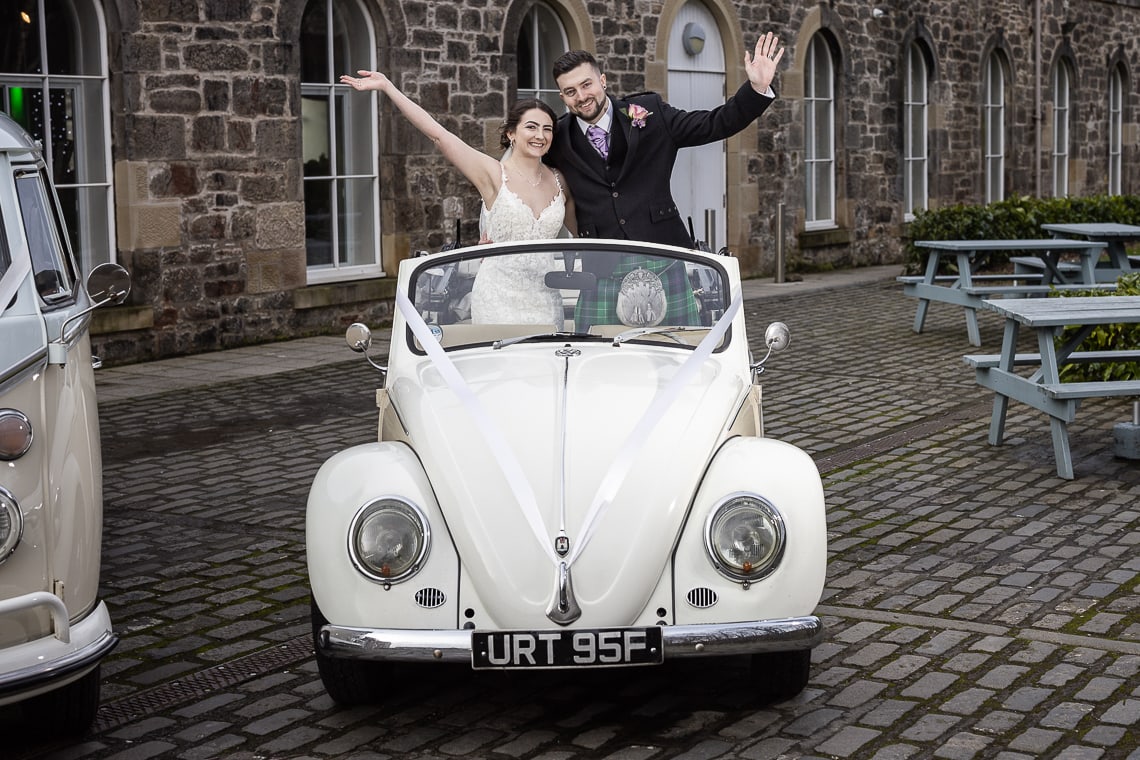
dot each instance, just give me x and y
(509, 464)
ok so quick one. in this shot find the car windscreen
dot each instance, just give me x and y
(471, 299)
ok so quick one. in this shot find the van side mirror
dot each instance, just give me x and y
(107, 284)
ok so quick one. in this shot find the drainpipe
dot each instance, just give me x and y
(1037, 92)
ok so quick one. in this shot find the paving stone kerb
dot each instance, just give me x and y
(977, 605)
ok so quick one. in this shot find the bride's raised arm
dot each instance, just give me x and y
(481, 170)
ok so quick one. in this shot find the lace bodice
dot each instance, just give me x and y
(509, 219)
(511, 290)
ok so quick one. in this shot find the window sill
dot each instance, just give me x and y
(824, 238)
(340, 293)
(116, 319)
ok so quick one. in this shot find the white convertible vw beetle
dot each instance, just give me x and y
(54, 628)
(570, 472)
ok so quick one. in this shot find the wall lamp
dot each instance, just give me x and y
(693, 38)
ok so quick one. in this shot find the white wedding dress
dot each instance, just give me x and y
(511, 289)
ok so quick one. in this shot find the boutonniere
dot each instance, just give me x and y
(637, 114)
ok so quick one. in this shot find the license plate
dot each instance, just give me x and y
(566, 649)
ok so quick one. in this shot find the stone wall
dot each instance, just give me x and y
(206, 138)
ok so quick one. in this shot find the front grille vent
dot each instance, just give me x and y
(702, 598)
(430, 598)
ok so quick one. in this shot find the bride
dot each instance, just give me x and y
(523, 199)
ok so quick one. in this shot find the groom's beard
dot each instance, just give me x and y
(591, 110)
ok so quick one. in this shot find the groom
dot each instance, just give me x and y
(618, 156)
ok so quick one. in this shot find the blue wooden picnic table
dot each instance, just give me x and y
(1042, 388)
(1115, 236)
(967, 288)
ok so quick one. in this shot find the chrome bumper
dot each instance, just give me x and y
(65, 655)
(715, 640)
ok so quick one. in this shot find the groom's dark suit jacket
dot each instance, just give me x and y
(628, 196)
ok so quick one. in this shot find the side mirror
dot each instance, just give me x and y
(358, 337)
(777, 336)
(107, 284)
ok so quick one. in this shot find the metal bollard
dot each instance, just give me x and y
(1127, 435)
(710, 228)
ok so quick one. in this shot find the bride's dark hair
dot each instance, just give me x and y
(516, 113)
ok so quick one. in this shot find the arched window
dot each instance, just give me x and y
(338, 143)
(915, 147)
(542, 39)
(1061, 98)
(53, 81)
(993, 128)
(1115, 129)
(819, 135)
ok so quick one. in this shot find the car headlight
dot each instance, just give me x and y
(11, 524)
(388, 540)
(15, 434)
(745, 537)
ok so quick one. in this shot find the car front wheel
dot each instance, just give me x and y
(779, 676)
(349, 681)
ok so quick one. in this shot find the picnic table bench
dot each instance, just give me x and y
(968, 288)
(1042, 389)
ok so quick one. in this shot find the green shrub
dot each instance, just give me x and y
(1105, 338)
(1017, 217)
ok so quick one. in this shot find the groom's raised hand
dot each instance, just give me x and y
(761, 65)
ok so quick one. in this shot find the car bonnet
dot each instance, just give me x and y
(552, 444)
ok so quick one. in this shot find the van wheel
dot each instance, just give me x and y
(69, 710)
(779, 676)
(349, 681)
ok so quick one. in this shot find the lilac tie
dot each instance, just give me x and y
(601, 140)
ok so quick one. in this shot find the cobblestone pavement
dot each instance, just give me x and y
(977, 606)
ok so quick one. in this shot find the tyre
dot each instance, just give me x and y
(69, 710)
(349, 681)
(779, 676)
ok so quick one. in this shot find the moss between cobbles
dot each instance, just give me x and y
(1131, 587)
(201, 653)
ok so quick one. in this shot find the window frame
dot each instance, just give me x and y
(993, 127)
(1062, 128)
(1116, 90)
(94, 182)
(530, 27)
(819, 142)
(341, 100)
(916, 159)
(49, 247)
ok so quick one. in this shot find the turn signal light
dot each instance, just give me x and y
(15, 434)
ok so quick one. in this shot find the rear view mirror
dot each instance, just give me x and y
(571, 280)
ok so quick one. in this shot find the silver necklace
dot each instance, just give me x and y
(526, 179)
